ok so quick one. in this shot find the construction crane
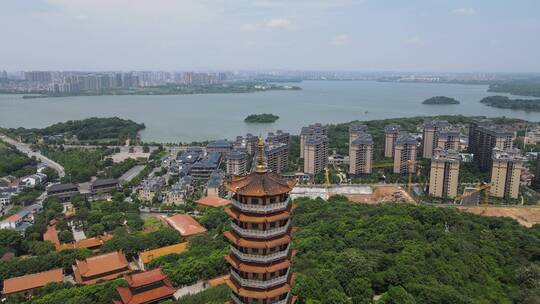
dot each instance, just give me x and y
(481, 187)
(326, 178)
(410, 165)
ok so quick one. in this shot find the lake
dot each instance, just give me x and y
(186, 118)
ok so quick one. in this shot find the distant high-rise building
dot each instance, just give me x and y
(3, 75)
(237, 163)
(486, 137)
(311, 130)
(444, 173)
(506, 172)
(390, 135)
(404, 154)
(315, 153)
(361, 154)
(247, 143)
(278, 137)
(429, 138)
(277, 157)
(38, 76)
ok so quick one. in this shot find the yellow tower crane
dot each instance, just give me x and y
(485, 187)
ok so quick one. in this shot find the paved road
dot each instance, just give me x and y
(25, 148)
(131, 173)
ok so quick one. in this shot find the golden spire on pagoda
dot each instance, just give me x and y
(261, 159)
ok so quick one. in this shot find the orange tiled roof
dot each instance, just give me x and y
(242, 242)
(32, 281)
(261, 294)
(260, 184)
(100, 265)
(51, 235)
(149, 255)
(185, 224)
(258, 268)
(213, 201)
(133, 295)
(97, 241)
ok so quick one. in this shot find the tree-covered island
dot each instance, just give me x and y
(440, 100)
(504, 102)
(261, 118)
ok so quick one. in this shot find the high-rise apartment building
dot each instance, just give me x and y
(447, 138)
(279, 137)
(237, 163)
(277, 157)
(38, 76)
(355, 130)
(361, 154)
(405, 154)
(429, 137)
(474, 133)
(444, 173)
(315, 153)
(311, 130)
(485, 138)
(506, 172)
(391, 133)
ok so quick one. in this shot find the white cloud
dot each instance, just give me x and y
(341, 39)
(413, 40)
(464, 11)
(280, 23)
(274, 23)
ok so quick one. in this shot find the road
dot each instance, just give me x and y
(25, 148)
(131, 173)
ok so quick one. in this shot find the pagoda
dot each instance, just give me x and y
(261, 255)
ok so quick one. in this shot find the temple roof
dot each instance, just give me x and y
(261, 294)
(258, 268)
(260, 184)
(242, 217)
(32, 281)
(242, 242)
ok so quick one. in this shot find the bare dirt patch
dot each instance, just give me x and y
(526, 216)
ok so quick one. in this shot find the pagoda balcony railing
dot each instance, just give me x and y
(255, 233)
(236, 300)
(275, 207)
(258, 283)
(247, 257)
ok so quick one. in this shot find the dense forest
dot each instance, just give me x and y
(13, 162)
(440, 100)
(523, 87)
(261, 118)
(505, 102)
(111, 129)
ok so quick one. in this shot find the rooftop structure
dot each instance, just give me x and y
(279, 137)
(214, 186)
(104, 186)
(63, 191)
(93, 243)
(146, 287)
(185, 224)
(25, 285)
(213, 201)
(237, 163)
(221, 146)
(100, 267)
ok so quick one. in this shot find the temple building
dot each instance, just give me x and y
(103, 267)
(146, 287)
(261, 254)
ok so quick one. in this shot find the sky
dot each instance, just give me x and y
(345, 35)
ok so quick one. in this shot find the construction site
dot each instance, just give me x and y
(369, 194)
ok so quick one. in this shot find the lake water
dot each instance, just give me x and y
(185, 118)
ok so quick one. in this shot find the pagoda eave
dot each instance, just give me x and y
(262, 294)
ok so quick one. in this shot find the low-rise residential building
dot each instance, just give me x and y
(506, 170)
(151, 286)
(214, 186)
(391, 133)
(33, 180)
(64, 192)
(102, 267)
(93, 244)
(444, 173)
(151, 188)
(25, 285)
(237, 162)
(204, 168)
(23, 219)
(179, 191)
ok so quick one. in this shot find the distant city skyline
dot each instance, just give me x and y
(311, 35)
